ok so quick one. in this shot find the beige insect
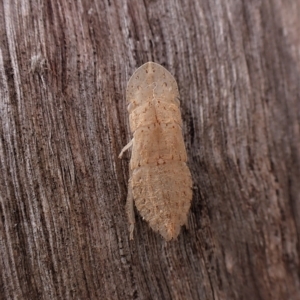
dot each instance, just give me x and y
(160, 182)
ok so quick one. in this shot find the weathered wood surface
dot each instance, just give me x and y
(64, 66)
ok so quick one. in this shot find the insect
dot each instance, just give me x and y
(160, 182)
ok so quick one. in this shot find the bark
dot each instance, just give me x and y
(64, 66)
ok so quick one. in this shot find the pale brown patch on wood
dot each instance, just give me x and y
(160, 182)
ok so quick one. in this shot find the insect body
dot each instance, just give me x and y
(160, 182)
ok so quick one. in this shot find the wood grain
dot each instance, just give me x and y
(64, 66)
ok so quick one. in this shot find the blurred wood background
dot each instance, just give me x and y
(64, 66)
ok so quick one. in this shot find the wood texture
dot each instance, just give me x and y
(64, 66)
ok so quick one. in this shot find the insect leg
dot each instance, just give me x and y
(186, 224)
(129, 209)
(126, 148)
